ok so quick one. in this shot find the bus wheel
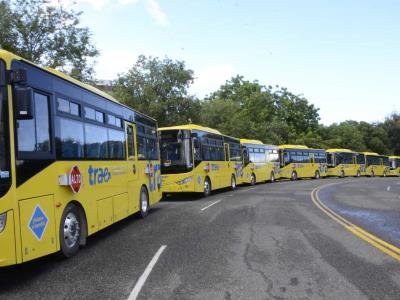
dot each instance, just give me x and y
(144, 203)
(372, 174)
(272, 177)
(253, 179)
(358, 174)
(342, 174)
(317, 175)
(294, 176)
(384, 174)
(207, 187)
(70, 230)
(233, 183)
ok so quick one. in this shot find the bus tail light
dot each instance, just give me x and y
(3, 220)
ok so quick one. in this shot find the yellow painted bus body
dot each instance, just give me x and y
(109, 190)
(261, 162)
(299, 161)
(185, 167)
(342, 163)
(376, 164)
(394, 166)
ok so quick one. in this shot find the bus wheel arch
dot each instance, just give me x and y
(73, 229)
(207, 187)
(144, 201)
(342, 174)
(358, 173)
(317, 175)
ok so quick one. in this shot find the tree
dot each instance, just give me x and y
(249, 109)
(48, 35)
(159, 88)
(392, 127)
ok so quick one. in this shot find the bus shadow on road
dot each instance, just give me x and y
(187, 197)
(17, 277)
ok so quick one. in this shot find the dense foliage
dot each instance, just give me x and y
(160, 88)
(51, 35)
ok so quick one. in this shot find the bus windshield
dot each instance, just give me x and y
(176, 152)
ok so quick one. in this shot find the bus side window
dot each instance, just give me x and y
(131, 142)
(34, 134)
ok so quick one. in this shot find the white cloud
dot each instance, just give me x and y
(211, 77)
(111, 63)
(153, 8)
(125, 2)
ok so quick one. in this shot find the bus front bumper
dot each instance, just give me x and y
(177, 185)
(7, 240)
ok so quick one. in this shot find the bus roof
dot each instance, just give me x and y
(191, 127)
(340, 150)
(246, 141)
(293, 147)
(371, 153)
(8, 56)
(394, 156)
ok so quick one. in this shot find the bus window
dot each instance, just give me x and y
(34, 134)
(131, 142)
(330, 157)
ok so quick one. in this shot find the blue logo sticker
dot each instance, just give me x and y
(38, 222)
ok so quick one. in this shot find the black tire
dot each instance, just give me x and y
(272, 180)
(207, 187)
(372, 174)
(358, 174)
(293, 177)
(144, 203)
(317, 175)
(384, 174)
(253, 179)
(233, 183)
(342, 174)
(71, 229)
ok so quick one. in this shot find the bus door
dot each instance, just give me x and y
(133, 184)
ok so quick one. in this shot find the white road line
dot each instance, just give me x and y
(249, 189)
(139, 284)
(388, 188)
(208, 206)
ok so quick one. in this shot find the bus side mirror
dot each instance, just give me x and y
(196, 143)
(24, 103)
(246, 157)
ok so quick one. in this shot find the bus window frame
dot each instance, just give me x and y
(37, 155)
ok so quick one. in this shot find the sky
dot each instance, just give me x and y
(343, 55)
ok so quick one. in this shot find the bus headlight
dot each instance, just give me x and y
(3, 220)
(184, 181)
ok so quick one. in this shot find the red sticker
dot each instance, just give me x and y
(75, 179)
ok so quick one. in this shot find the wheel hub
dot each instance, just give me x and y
(71, 230)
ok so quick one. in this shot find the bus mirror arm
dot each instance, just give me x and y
(24, 103)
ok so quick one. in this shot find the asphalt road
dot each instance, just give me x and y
(264, 242)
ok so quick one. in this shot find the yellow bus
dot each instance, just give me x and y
(73, 161)
(342, 163)
(299, 161)
(261, 162)
(394, 162)
(375, 164)
(198, 159)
